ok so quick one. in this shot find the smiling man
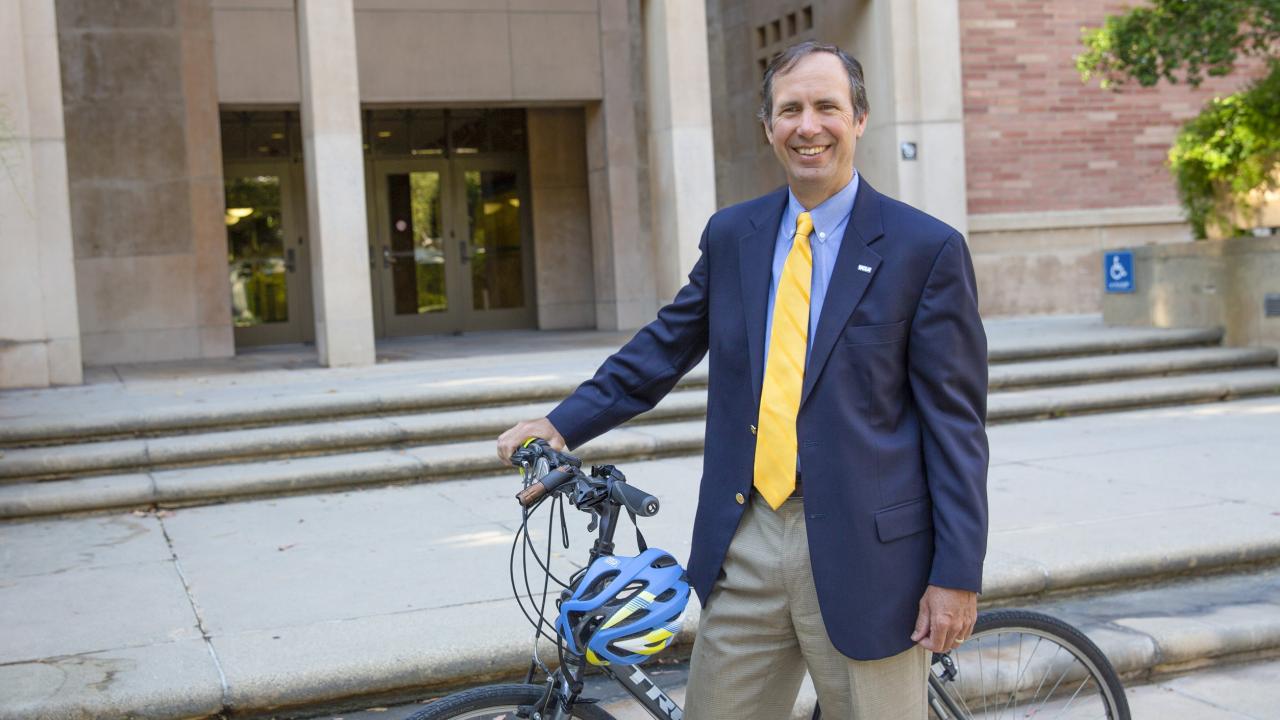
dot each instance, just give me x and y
(842, 514)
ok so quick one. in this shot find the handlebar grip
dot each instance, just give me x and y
(548, 484)
(634, 499)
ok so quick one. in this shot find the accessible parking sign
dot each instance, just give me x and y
(1117, 271)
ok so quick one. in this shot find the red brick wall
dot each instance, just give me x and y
(1038, 139)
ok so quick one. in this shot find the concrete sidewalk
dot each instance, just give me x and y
(296, 601)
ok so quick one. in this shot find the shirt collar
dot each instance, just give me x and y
(826, 216)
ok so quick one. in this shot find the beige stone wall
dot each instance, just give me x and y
(39, 326)
(1045, 263)
(745, 166)
(565, 287)
(1217, 283)
(145, 179)
(422, 51)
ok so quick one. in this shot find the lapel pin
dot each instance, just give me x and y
(864, 268)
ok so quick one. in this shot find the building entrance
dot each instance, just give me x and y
(449, 221)
(450, 241)
(450, 246)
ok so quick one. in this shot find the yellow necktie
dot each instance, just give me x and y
(775, 469)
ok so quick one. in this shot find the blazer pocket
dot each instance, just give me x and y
(902, 520)
(870, 334)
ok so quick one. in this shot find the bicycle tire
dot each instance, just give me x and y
(996, 623)
(497, 702)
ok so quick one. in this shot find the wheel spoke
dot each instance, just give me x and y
(1073, 661)
(1073, 695)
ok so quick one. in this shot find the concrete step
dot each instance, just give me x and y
(1099, 368)
(409, 462)
(543, 380)
(1031, 338)
(317, 438)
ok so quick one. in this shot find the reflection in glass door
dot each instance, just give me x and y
(452, 253)
(497, 258)
(415, 255)
(264, 255)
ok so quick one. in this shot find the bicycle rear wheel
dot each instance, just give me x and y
(496, 702)
(1025, 664)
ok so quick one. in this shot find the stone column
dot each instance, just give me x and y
(39, 321)
(335, 182)
(621, 253)
(911, 55)
(682, 176)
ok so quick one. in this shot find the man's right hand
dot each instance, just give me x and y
(510, 441)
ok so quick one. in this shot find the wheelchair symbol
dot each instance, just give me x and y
(1117, 270)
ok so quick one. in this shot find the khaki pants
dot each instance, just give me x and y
(762, 628)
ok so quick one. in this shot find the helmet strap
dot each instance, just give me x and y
(640, 543)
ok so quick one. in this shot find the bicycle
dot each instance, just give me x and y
(1016, 664)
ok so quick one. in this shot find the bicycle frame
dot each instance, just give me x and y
(632, 678)
(658, 704)
(646, 692)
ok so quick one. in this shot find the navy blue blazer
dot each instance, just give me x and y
(891, 428)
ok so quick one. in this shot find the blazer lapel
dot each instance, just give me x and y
(755, 258)
(849, 280)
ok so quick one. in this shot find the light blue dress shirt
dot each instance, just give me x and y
(829, 222)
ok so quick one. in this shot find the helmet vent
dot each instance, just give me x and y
(632, 589)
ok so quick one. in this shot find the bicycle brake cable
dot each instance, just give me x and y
(511, 573)
(557, 504)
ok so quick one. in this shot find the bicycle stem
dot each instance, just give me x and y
(604, 540)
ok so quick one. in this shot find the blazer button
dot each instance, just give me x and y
(752, 428)
(741, 500)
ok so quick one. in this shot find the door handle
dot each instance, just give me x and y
(389, 256)
(290, 259)
(463, 252)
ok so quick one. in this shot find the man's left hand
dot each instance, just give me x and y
(946, 618)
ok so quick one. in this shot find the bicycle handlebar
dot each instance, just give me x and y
(634, 499)
(568, 469)
(548, 484)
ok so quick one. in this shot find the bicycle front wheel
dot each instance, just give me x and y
(496, 702)
(1024, 664)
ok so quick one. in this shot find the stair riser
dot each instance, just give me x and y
(327, 409)
(141, 457)
(201, 485)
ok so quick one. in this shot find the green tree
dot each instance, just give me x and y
(1233, 146)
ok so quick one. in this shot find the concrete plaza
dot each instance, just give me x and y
(301, 600)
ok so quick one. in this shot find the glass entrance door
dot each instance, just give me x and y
(266, 258)
(452, 251)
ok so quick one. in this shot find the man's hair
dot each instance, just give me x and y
(787, 59)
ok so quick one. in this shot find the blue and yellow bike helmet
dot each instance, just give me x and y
(623, 609)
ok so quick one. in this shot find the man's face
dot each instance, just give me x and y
(814, 131)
